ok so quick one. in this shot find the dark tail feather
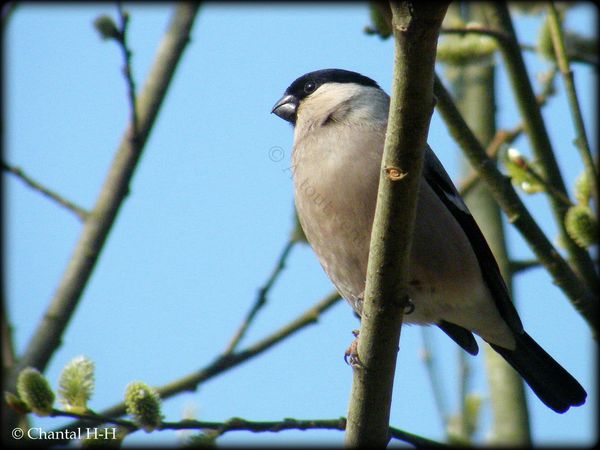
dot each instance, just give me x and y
(548, 379)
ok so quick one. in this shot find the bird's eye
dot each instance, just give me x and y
(309, 87)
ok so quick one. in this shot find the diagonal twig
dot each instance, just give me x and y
(504, 137)
(224, 362)
(262, 297)
(562, 59)
(537, 132)
(71, 206)
(578, 293)
(98, 224)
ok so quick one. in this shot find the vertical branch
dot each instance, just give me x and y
(537, 132)
(49, 331)
(581, 140)
(476, 101)
(435, 377)
(128, 71)
(416, 28)
(582, 298)
(465, 432)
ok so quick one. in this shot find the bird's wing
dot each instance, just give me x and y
(437, 178)
(460, 335)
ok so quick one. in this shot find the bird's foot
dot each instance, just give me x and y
(405, 303)
(351, 354)
(409, 306)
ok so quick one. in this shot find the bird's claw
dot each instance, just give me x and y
(351, 354)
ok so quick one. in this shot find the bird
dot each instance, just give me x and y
(339, 118)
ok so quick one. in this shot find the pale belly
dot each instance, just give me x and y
(445, 281)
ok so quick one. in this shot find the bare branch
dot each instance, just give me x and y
(523, 265)
(239, 424)
(49, 332)
(416, 28)
(262, 297)
(500, 187)
(537, 132)
(19, 173)
(227, 361)
(581, 140)
(128, 71)
(475, 29)
(434, 375)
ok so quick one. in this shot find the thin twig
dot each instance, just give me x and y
(19, 173)
(476, 29)
(506, 137)
(253, 426)
(574, 56)
(434, 377)
(537, 132)
(502, 137)
(417, 441)
(581, 140)
(550, 189)
(522, 265)
(273, 426)
(128, 72)
(48, 334)
(261, 298)
(93, 417)
(225, 362)
(518, 266)
(580, 295)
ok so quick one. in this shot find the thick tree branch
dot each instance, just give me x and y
(416, 28)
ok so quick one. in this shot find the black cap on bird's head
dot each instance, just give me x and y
(287, 106)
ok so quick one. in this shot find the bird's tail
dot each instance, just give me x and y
(549, 380)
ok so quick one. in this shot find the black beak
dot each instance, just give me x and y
(286, 108)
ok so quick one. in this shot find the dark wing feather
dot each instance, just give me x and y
(548, 379)
(435, 174)
(460, 335)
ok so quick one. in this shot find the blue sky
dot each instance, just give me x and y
(210, 211)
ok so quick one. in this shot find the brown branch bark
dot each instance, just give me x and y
(416, 28)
